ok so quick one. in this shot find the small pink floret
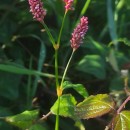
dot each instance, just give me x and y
(68, 4)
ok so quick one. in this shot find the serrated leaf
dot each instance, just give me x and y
(94, 106)
(67, 105)
(122, 121)
(92, 64)
(77, 87)
(23, 120)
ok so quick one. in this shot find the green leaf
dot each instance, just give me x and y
(41, 60)
(94, 106)
(67, 105)
(77, 87)
(96, 47)
(122, 121)
(121, 40)
(22, 70)
(111, 22)
(23, 120)
(93, 64)
(112, 60)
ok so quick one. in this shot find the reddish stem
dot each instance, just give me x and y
(123, 105)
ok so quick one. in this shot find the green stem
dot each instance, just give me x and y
(85, 7)
(58, 109)
(56, 71)
(61, 29)
(57, 86)
(29, 84)
(49, 34)
(67, 68)
(56, 68)
(57, 116)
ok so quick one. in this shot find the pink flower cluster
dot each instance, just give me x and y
(36, 8)
(68, 5)
(79, 32)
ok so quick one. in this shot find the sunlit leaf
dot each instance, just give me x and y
(122, 121)
(94, 106)
(23, 120)
(77, 87)
(67, 105)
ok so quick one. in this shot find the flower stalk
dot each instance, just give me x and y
(61, 29)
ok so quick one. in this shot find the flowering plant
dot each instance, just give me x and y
(67, 91)
(64, 101)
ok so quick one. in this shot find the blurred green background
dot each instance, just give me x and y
(97, 63)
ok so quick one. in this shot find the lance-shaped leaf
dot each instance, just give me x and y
(94, 106)
(77, 87)
(122, 121)
(67, 105)
(23, 120)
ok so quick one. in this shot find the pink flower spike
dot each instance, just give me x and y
(68, 5)
(37, 10)
(79, 33)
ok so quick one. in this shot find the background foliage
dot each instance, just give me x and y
(25, 51)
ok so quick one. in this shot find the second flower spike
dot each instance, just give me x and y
(79, 33)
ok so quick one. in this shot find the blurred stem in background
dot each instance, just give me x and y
(29, 85)
(113, 19)
(84, 9)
